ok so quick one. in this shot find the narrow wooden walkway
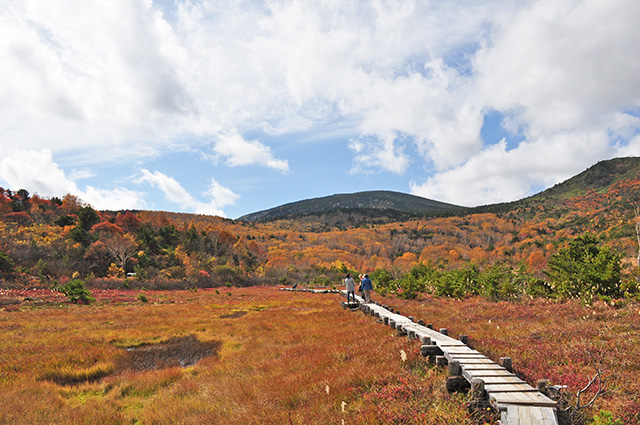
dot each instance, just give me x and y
(517, 401)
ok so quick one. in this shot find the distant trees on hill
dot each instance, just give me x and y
(539, 248)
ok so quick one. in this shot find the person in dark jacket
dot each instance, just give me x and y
(367, 286)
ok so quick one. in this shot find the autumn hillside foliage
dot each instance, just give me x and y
(527, 248)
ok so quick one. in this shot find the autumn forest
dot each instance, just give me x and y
(44, 242)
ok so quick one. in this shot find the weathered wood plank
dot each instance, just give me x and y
(473, 360)
(486, 366)
(549, 416)
(502, 380)
(527, 398)
(461, 350)
(470, 374)
(528, 415)
(505, 388)
(461, 356)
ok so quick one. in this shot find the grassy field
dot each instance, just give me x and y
(262, 356)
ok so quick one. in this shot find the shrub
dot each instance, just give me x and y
(458, 283)
(6, 264)
(499, 282)
(76, 292)
(604, 417)
(383, 282)
(585, 269)
(420, 279)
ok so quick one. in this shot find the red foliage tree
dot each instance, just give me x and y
(129, 222)
(21, 218)
(106, 229)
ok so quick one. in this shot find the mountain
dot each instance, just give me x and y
(598, 178)
(388, 206)
(371, 204)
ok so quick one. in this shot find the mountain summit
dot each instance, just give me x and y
(375, 203)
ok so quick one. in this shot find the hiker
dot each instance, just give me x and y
(351, 287)
(367, 286)
(360, 277)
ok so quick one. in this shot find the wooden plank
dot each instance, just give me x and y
(470, 374)
(506, 388)
(473, 360)
(512, 414)
(504, 418)
(528, 415)
(460, 350)
(462, 356)
(486, 366)
(523, 415)
(502, 380)
(437, 337)
(518, 402)
(527, 398)
(549, 416)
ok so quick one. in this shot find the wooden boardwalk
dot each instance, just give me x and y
(517, 401)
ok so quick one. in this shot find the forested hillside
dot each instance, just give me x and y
(357, 208)
(43, 242)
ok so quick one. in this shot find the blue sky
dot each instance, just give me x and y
(230, 107)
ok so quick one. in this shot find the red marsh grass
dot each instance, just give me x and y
(562, 341)
(272, 357)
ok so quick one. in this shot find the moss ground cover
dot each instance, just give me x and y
(273, 358)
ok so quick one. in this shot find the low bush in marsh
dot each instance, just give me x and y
(76, 291)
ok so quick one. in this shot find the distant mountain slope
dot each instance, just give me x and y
(596, 179)
(372, 202)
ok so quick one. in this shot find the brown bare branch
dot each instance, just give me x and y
(600, 391)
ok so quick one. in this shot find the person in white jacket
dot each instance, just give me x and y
(351, 287)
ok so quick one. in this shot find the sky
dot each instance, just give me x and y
(228, 107)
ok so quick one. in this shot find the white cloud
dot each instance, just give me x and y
(246, 152)
(113, 199)
(564, 64)
(118, 80)
(387, 156)
(89, 74)
(175, 193)
(500, 175)
(37, 172)
(221, 196)
(119, 74)
(562, 73)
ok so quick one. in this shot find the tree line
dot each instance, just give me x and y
(580, 248)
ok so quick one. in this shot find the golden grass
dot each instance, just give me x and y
(278, 353)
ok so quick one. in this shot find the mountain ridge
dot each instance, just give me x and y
(375, 201)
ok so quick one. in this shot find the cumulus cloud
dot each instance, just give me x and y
(37, 172)
(239, 151)
(498, 174)
(410, 81)
(175, 193)
(387, 156)
(563, 64)
(123, 73)
(100, 75)
(562, 75)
